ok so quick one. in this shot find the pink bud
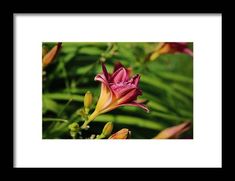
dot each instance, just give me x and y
(122, 134)
(174, 132)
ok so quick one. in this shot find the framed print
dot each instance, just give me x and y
(109, 90)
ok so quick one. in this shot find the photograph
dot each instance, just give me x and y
(117, 90)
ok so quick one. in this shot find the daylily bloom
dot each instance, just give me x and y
(170, 47)
(174, 132)
(50, 56)
(117, 89)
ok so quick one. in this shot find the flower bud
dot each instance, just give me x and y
(122, 134)
(108, 128)
(50, 56)
(44, 51)
(87, 101)
(174, 132)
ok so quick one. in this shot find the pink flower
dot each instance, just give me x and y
(173, 47)
(170, 48)
(117, 89)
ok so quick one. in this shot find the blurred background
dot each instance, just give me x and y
(166, 82)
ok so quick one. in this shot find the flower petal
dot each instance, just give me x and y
(182, 44)
(105, 99)
(181, 47)
(120, 75)
(188, 51)
(105, 72)
(102, 78)
(130, 96)
(142, 101)
(118, 65)
(135, 80)
(121, 89)
(128, 99)
(134, 103)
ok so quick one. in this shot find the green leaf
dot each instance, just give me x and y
(125, 53)
(50, 105)
(84, 69)
(186, 113)
(90, 51)
(63, 96)
(158, 84)
(174, 77)
(130, 120)
(168, 116)
(55, 119)
(183, 89)
(154, 103)
(68, 49)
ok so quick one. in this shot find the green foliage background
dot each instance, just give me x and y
(167, 84)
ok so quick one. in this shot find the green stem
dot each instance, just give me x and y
(91, 118)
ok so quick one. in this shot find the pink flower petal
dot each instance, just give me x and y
(135, 80)
(134, 103)
(182, 43)
(105, 72)
(130, 96)
(188, 51)
(102, 78)
(120, 75)
(121, 89)
(142, 101)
